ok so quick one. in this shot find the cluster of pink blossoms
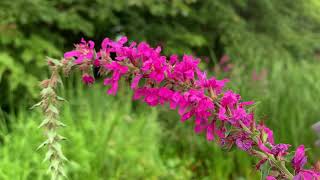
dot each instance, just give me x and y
(178, 82)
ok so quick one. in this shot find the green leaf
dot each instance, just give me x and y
(61, 98)
(58, 149)
(59, 80)
(59, 123)
(63, 171)
(48, 155)
(265, 170)
(47, 91)
(44, 122)
(62, 137)
(51, 136)
(36, 105)
(53, 109)
(42, 145)
(289, 157)
(27, 55)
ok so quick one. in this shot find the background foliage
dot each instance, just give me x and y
(278, 41)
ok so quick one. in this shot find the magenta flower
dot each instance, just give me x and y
(156, 68)
(217, 85)
(165, 95)
(210, 132)
(83, 51)
(299, 159)
(135, 81)
(213, 83)
(175, 99)
(307, 175)
(239, 113)
(263, 147)
(222, 113)
(248, 120)
(270, 178)
(247, 103)
(186, 69)
(244, 142)
(96, 63)
(198, 104)
(118, 71)
(173, 59)
(280, 149)
(114, 46)
(230, 99)
(200, 126)
(151, 96)
(138, 93)
(87, 79)
(187, 115)
(267, 134)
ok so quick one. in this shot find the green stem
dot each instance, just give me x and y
(281, 167)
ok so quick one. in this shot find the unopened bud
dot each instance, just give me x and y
(44, 83)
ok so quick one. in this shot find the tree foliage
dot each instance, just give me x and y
(244, 29)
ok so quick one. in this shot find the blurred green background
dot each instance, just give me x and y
(273, 49)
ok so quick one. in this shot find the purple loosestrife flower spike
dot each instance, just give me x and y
(178, 82)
